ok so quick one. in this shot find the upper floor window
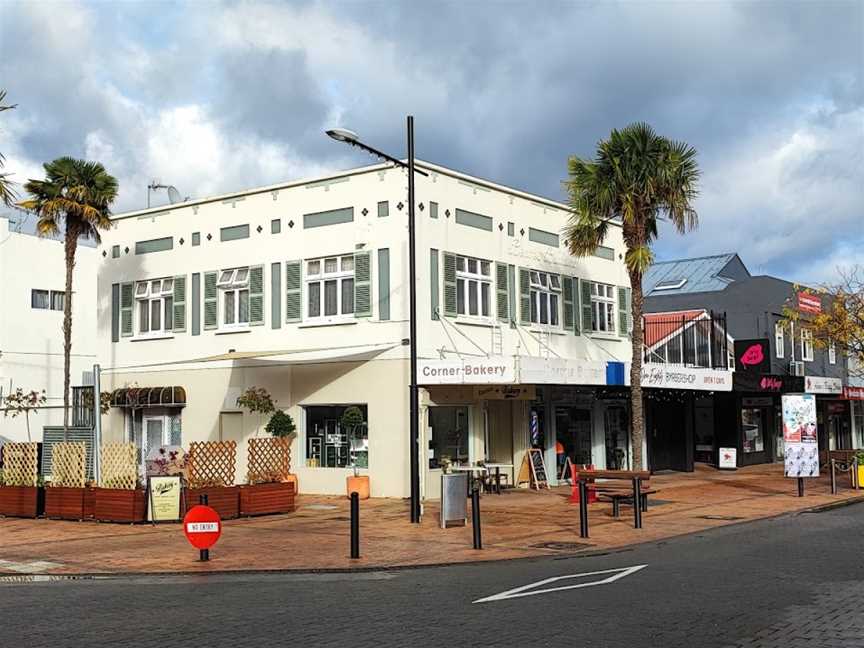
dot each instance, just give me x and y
(832, 353)
(779, 340)
(330, 287)
(545, 296)
(233, 288)
(155, 299)
(603, 308)
(807, 345)
(47, 299)
(473, 287)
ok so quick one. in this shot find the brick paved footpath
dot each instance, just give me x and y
(517, 524)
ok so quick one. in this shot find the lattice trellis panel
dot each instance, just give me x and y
(119, 466)
(211, 463)
(69, 465)
(269, 460)
(20, 464)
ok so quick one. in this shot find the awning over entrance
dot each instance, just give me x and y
(306, 356)
(138, 397)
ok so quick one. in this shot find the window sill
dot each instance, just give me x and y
(333, 322)
(244, 329)
(612, 337)
(550, 331)
(475, 322)
(147, 338)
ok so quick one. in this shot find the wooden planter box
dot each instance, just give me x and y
(224, 499)
(22, 501)
(264, 499)
(63, 503)
(119, 505)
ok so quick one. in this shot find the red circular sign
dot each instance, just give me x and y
(202, 526)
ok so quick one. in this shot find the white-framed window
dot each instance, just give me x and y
(602, 308)
(779, 340)
(473, 288)
(807, 345)
(330, 287)
(832, 353)
(47, 299)
(545, 298)
(233, 288)
(155, 298)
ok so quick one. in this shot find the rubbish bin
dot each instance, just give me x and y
(454, 504)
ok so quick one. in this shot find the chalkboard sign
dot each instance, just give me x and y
(533, 469)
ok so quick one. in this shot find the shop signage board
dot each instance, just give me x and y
(728, 458)
(767, 383)
(163, 504)
(664, 376)
(561, 371)
(853, 393)
(467, 371)
(809, 303)
(505, 392)
(822, 385)
(800, 438)
(752, 356)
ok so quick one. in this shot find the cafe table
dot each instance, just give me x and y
(497, 477)
(475, 472)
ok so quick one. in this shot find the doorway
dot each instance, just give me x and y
(757, 430)
(573, 431)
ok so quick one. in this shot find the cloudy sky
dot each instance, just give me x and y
(215, 97)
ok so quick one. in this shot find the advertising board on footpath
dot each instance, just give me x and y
(800, 437)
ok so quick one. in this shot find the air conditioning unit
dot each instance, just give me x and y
(796, 368)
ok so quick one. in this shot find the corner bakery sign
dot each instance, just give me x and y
(473, 371)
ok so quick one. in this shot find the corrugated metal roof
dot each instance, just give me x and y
(659, 326)
(700, 274)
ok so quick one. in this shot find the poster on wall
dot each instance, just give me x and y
(801, 445)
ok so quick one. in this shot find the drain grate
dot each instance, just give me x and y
(721, 517)
(562, 546)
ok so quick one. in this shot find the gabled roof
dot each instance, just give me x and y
(659, 326)
(702, 274)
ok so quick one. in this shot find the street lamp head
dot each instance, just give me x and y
(342, 135)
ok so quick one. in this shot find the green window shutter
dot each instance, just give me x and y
(384, 284)
(127, 302)
(362, 285)
(524, 296)
(577, 318)
(567, 298)
(115, 312)
(623, 311)
(511, 293)
(211, 299)
(180, 304)
(293, 291)
(276, 295)
(585, 294)
(449, 285)
(196, 303)
(256, 295)
(501, 291)
(433, 279)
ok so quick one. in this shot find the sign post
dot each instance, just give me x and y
(202, 527)
(800, 438)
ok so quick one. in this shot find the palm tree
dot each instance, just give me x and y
(636, 178)
(76, 197)
(7, 194)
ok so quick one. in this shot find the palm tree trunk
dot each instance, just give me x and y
(637, 420)
(71, 247)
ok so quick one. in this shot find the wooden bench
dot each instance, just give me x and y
(616, 495)
(638, 492)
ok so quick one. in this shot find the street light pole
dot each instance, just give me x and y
(350, 137)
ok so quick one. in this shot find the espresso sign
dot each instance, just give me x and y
(752, 356)
(163, 505)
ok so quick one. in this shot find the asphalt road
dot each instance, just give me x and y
(791, 582)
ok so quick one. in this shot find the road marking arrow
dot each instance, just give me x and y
(529, 590)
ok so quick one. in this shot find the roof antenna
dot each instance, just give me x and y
(173, 195)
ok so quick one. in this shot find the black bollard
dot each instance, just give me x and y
(800, 487)
(475, 517)
(637, 503)
(204, 554)
(833, 478)
(355, 525)
(583, 508)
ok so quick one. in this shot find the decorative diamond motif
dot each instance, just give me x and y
(420, 206)
(209, 237)
(127, 250)
(104, 253)
(400, 206)
(365, 212)
(258, 229)
(291, 223)
(522, 231)
(182, 241)
(500, 227)
(447, 213)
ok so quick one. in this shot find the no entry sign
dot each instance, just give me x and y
(202, 526)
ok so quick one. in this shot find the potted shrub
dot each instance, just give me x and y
(211, 466)
(281, 426)
(65, 493)
(353, 423)
(21, 491)
(270, 488)
(119, 496)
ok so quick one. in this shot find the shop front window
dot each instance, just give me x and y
(573, 431)
(753, 427)
(615, 423)
(332, 444)
(448, 435)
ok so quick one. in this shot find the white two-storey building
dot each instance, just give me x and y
(32, 297)
(301, 288)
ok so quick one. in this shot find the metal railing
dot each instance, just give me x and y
(688, 340)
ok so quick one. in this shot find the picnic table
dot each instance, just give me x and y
(636, 479)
